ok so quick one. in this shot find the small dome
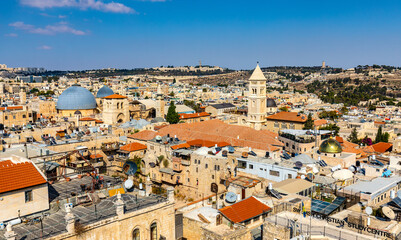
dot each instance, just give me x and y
(104, 92)
(342, 174)
(271, 103)
(76, 98)
(330, 146)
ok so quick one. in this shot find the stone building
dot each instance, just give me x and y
(115, 109)
(257, 99)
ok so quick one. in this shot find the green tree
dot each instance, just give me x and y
(172, 115)
(386, 137)
(379, 135)
(283, 109)
(309, 124)
(353, 137)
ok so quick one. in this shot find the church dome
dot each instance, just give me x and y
(270, 102)
(104, 92)
(76, 98)
(330, 146)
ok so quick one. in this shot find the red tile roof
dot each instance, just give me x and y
(179, 146)
(193, 115)
(218, 131)
(14, 176)
(244, 210)
(206, 143)
(11, 108)
(382, 147)
(115, 96)
(144, 135)
(320, 122)
(93, 156)
(132, 147)
(288, 116)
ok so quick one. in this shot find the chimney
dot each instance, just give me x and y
(119, 205)
(170, 194)
(10, 234)
(70, 219)
(148, 186)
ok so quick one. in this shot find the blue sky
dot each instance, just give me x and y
(91, 34)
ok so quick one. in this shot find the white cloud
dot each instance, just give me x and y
(44, 47)
(82, 4)
(61, 27)
(11, 35)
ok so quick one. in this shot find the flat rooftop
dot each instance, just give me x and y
(55, 224)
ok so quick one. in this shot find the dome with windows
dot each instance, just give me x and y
(104, 92)
(76, 98)
(330, 146)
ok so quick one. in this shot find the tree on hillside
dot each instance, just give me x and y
(309, 124)
(353, 137)
(172, 115)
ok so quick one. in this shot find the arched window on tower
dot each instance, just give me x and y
(153, 231)
(136, 234)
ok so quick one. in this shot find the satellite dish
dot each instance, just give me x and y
(302, 176)
(310, 176)
(130, 168)
(298, 164)
(315, 170)
(128, 184)
(388, 212)
(368, 210)
(352, 168)
(231, 197)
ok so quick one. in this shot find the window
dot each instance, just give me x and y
(14, 117)
(250, 166)
(28, 196)
(136, 235)
(5, 117)
(206, 166)
(212, 176)
(153, 231)
(274, 173)
(24, 116)
(289, 176)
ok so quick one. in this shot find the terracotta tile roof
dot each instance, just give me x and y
(144, 135)
(93, 156)
(11, 108)
(179, 146)
(87, 119)
(244, 210)
(382, 147)
(218, 131)
(320, 122)
(14, 176)
(156, 128)
(206, 143)
(381, 123)
(193, 115)
(288, 116)
(115, 96)
(132, 147)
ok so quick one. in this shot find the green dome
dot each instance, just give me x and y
(330, 146)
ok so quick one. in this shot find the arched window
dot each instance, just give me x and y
(118, 105)
(136, 235)
(122, 105)
(153, 231)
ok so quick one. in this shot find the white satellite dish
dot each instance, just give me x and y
(128, 184)
(388, 212)
(368, 210)
(302, 176)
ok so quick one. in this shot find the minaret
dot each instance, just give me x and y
(159, 102)
(257, 99)
(22, 94)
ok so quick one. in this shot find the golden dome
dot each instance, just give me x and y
(330, 146)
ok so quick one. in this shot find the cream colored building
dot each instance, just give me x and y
(257, 99)
(115, 109)
(18, 196)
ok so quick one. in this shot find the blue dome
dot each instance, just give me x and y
(104, 92)
(75, 98)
